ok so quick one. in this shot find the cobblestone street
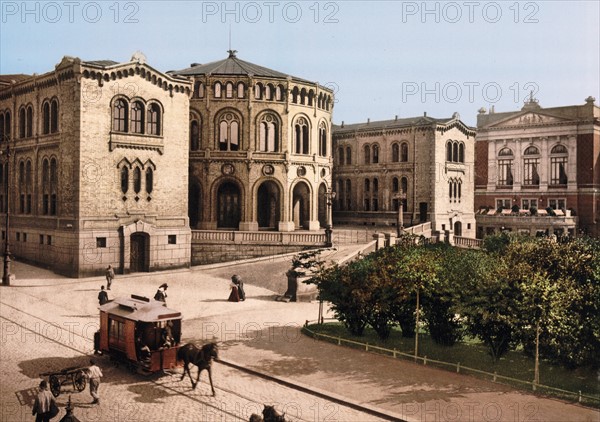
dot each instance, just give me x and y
(47, 323)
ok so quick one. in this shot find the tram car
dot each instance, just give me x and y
(140, 332)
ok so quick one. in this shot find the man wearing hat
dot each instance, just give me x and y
(161, 293)
(44, 402)
(94, 374)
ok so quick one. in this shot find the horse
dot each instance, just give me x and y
(202, 358)
(269, 415)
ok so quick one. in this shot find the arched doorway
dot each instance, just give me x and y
(267, 205)
(322, 206)
(457, 228)
(195, 204)
(139, 256)
(228, 206)
(301, 205)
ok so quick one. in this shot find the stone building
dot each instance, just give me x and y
(98, 166)
(538, 170)
(427, 163)
(259, 148)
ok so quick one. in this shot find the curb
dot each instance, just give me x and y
(335, 398)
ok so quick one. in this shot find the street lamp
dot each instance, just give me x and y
(329, 196)
(6, 274)
(400, 196)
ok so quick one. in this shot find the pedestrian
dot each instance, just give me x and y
(161, 293)
(110, 274)
(94, 374)
(237, 289)
(102, 296)
(44, 407)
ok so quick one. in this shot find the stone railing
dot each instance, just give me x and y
(467, 242)
(258, 237)
(420, 229)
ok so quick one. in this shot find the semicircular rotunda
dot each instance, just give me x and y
(260, 148)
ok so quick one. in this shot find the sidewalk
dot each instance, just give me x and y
(264, 335)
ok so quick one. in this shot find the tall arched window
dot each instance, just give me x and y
(28, 187)
(22, 121)
(322, 139)
(22, 186)
(195, 130)
(54, 116)
(124, 179)
(1, 127)
(303, 96)
(559, 157)
(258, 91)
(531, 162)
(7, 125)
(279, 93)
(149, 180)
(53, 186)
(404, 152)
(449, 151)
(367, 150)
(375, 154)
(341, 156)
(295, 94)
(505, 163)
(137, 117)
(229, 90)
(240, 90)
(348, 195)
(348, 155)
(268, 92)
(268, 133)
(218, 89)
(137, 180)
(45, 187)
(229, 132)
(120, 115)
(154, 119)
(302, 141)
(455, 152)
(46, 118)
(395, 153)
(198, 89)
(461, 152)
(29, 133)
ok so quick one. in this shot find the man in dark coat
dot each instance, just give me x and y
(102, 296)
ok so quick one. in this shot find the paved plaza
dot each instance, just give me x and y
(48, 321)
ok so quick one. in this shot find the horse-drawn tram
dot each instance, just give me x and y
(141, 332)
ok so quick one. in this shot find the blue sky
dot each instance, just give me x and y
(382, 58)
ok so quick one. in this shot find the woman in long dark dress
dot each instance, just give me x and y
(234, 296)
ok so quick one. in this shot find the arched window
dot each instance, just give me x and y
(375, 197)
(124, 179)
(7, 125)
(322, 139)
(455, 152)
(53, 186)
(268, 92)
(149, 180)
(240, 90)
(404, 185)
(198, 89)
(311, 96)
(229, 132)
(505, 163)
(348, 155)
(404, 152)
(28, 187)
(295, 93)
(341, 156)
(449, 151)
(348, 194)
(46, 118)
(137, 180)
(45, 187)
(154, 119)
(302, 141)
(22, 120)
(137, 117)
(54, 116)
(375, 154)
(303, 96)
(120, 115)
(395, 153)
(22, 185)
(279, 93)
(29, 133)
(229, 90)
(1, 127)
(395, 184)
(194, 134)
(217, 89)
(367, 185)
(367, 150)
(559, 157)
(268, 133)
(531, 163)
(258, 91)
(461, 152)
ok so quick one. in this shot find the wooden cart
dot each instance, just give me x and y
(73, 375)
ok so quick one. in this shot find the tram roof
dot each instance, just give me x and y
(140, 308)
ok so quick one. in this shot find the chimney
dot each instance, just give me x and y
(396, 117)
(342, 123)
(492, 109)
(368, 120)
(424, 114)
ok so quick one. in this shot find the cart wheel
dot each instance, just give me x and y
(79, 381)
(54, 385)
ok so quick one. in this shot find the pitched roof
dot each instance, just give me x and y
(385, 124)
(103, 63)
(234, 66)
(8, 79)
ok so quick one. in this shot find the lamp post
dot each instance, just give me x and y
(400, 196)
(6, 274)
(329, 197)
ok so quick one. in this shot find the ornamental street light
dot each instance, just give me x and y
(400, 196)
(329, 197)
(6, 176)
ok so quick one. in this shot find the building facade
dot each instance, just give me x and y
(259, 147)
(98, 167)
(424, 162)
(538, 170)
